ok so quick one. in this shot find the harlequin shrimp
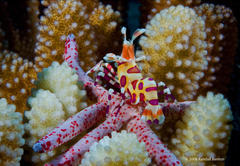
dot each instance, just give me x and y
(131, 82)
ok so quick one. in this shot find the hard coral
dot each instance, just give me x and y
(16, 80)
(221, 30)
(72, 16)
(150, 8)
(46, 113)
(63, 82)
(175, 50)
(121, 149)
(204, 131)
(57, 96)
(11, 131)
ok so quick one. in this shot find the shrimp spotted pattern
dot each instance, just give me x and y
(128, 118)
(130, 80)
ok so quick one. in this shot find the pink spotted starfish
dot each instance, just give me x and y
(129, 116)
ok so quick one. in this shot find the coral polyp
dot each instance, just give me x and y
(90, 22)
(175, 43)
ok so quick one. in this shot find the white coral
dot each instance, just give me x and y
(62, 80)
(204, 131)
(175, 42)
(122, 149)
(46, 113)
(57, 97)
(11, 131)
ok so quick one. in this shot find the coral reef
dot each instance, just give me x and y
(175, 50)
(92, 23)
(16, 79)
(46, 113)
(121, 149)
(17, 74)
(129, 116)
(150, 8)
(97, 33)
(203, 131)
(57, 96)
(11, 131)
(63, 82)
(221, 30)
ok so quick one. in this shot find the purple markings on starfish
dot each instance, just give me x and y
(123, 81)
(140, 86)
(150, 79)
(151, 89)
(153, 102)
(133, 70)
(142, 97)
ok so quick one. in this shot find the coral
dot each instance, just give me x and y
(16, 79)
(204, 131)
(11, 131)
(150, 8)
(84, 20)
(221, 30)
(57, 96)
(46, 113)
(63, 82)
(128, 118)
(175, 50)
(121, 149)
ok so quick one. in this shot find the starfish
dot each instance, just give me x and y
(129, 116)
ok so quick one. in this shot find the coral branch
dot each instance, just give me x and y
(154, 146)
(77, 123)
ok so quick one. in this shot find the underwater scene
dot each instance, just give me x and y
(119, 83)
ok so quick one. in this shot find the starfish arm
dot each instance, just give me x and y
(173, 111)
(71, 57)
(154, 146)
(72, 127)
(74, 155)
